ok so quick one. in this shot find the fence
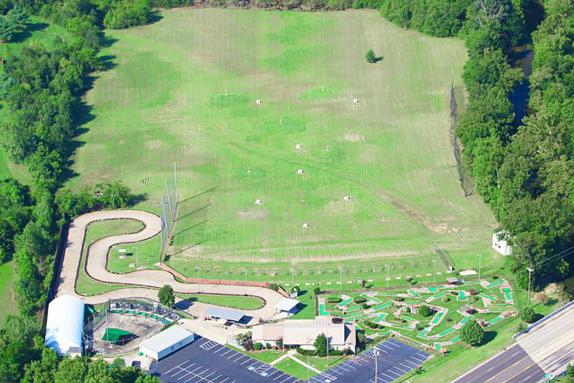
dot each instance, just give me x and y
(466, 182)
(225, 282)
(168, 211)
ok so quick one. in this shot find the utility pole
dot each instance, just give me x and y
(376, 353)
(530, 270)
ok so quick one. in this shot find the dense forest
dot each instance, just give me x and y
(522, 167)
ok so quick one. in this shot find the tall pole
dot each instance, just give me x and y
(175, 180)
(292, 279)
(340, 278)
(388, 277)
(479, 263)
(376, 355)
(530, 270)
(434, 270)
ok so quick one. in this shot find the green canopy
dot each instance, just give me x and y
(114, 335)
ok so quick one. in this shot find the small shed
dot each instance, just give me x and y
(233, 316)
(166, 342)
(287, 305)
(65, 325)
(500, 243)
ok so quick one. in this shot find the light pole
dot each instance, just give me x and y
(197, 270)
(292, 279)
(136, 251)
(376, 353)
(479, 264)
(388, 277)
(434, 270)
(340, 278)
(530, 270)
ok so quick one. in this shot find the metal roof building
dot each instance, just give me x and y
(166, 342)
(220, 313)
(287, 305)
(65, 325)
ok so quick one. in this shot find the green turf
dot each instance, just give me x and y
(184, 90)
(114, 335)
(7, 279)
(295, 369)
(235, 301)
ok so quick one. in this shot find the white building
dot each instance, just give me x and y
(500, 244)
(303, 332)
(65, 325)
(287, 306)
(166, 342)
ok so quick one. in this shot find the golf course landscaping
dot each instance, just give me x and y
(297, 161)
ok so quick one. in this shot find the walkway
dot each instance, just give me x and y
(141, 283)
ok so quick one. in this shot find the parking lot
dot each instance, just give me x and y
(205, 361)
(394, 360)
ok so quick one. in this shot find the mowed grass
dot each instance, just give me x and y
(183, 90)
(7, 294)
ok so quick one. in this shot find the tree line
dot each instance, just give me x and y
(41, 89)
(522, 168)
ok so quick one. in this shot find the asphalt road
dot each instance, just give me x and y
(510, 366)
(551, 343)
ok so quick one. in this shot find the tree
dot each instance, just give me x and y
(528, 315)
(425, 311)
(166, 296)
(472, 333)
(321, 345)
(7, 29)
(371, 57)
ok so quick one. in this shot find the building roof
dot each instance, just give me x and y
(167, 338)
(305, 331)
(217, 312)
(65, 325)
(287, 304)
(267, 332)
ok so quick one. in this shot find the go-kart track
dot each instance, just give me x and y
(141, 283)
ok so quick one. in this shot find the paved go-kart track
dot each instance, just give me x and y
(141, 283)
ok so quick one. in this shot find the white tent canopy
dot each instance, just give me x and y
(65, 325)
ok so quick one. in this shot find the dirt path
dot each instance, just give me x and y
(142, 283)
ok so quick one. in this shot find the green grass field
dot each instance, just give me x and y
(7, 298)
(184, 90)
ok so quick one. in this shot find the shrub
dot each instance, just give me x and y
(258, 346)
(166, 296)
(317, 291)
(274, 286)
(371, 57)
(528, 315)
(359, 300)
(127, 13)
(333, 299)
(365, 306)
(472, 333)
(321, 345)
(302, 351)
(425, 311)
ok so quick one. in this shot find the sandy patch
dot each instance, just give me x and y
(351, 137)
